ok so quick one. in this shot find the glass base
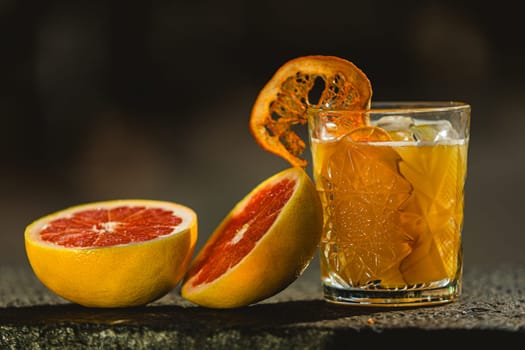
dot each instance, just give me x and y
(394, 297)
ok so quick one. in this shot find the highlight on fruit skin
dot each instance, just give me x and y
(285, 99)
(109, 254)
(264, 244)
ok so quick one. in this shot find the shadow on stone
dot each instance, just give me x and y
(173, 316)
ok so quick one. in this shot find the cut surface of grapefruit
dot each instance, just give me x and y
(116, 253)
(264, 244)
(284, 100)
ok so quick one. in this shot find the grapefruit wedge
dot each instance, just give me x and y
(114, 253)
(264, 244)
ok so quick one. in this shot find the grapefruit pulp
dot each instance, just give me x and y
(264, 244)
(113, 253)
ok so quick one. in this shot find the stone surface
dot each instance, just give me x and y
(492, 307)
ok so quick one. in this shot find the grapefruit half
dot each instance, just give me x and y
(114, 253)
(264, 244)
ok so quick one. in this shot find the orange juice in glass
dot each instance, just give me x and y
(391, 180)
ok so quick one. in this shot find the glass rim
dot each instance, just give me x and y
(388, 107)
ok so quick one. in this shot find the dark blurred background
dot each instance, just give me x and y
(151, 99)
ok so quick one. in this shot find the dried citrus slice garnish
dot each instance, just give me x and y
(284, 100)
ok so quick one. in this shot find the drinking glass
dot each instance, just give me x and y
(391, 179)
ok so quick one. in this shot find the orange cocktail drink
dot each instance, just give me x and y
(391, 180)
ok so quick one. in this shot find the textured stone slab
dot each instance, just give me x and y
(492, 307)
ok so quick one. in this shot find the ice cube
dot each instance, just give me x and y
(395, 123)
(397, 126)
(438, 130)
(401, 135)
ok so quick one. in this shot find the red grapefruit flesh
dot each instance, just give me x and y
(103, 227)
